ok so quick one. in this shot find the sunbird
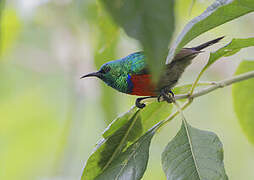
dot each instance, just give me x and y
(130, 75)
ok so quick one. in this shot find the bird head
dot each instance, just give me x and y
(112, 74)
(103, 73)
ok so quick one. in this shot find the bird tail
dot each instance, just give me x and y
(207, 44)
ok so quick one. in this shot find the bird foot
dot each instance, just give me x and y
(142, 105)
(139, 104)
(167, 96)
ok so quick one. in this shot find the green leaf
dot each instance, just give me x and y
(194, 154)
(119, 122)
(109, 149)
(243, 98)
(132, 163)
(150, 115)
(233, 47)
(9, 29)
(220, 12)
(121, 134)
(151, 22)
(154, 113)
(193, 2)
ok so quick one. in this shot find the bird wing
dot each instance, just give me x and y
(137, 64)
(139, 78)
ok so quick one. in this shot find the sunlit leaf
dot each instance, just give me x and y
(151, 22)
(220, 12)
(194, 154)
(244, 100)
(150, 115)
(119, 122)
(121, 134)
(10, 29)
(193, 2)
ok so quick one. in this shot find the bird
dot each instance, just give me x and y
(131, 75)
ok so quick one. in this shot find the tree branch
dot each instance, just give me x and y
(217, 85)
(214, 86)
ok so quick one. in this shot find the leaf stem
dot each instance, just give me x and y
(179, 109)
(196, 81)
(172, 116)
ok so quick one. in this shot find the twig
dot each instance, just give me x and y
(217, 85)
(202, 92)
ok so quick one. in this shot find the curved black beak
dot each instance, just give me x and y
(95, 74)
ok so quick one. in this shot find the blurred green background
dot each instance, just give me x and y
(50, 120)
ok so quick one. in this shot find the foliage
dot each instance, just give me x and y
(120, 135)
(244, 101)
(194, 154)
(123, 151)
(50, 119)
(131, 164)
(220, 12)
(230, 49)
(142, 21)
(10, 29)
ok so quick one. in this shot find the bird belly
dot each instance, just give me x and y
(142, 85)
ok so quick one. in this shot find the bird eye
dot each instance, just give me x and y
(105, 69)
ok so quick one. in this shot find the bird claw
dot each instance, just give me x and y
(142, 105)
(159, 98)
(169, 97)
(139, 104)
